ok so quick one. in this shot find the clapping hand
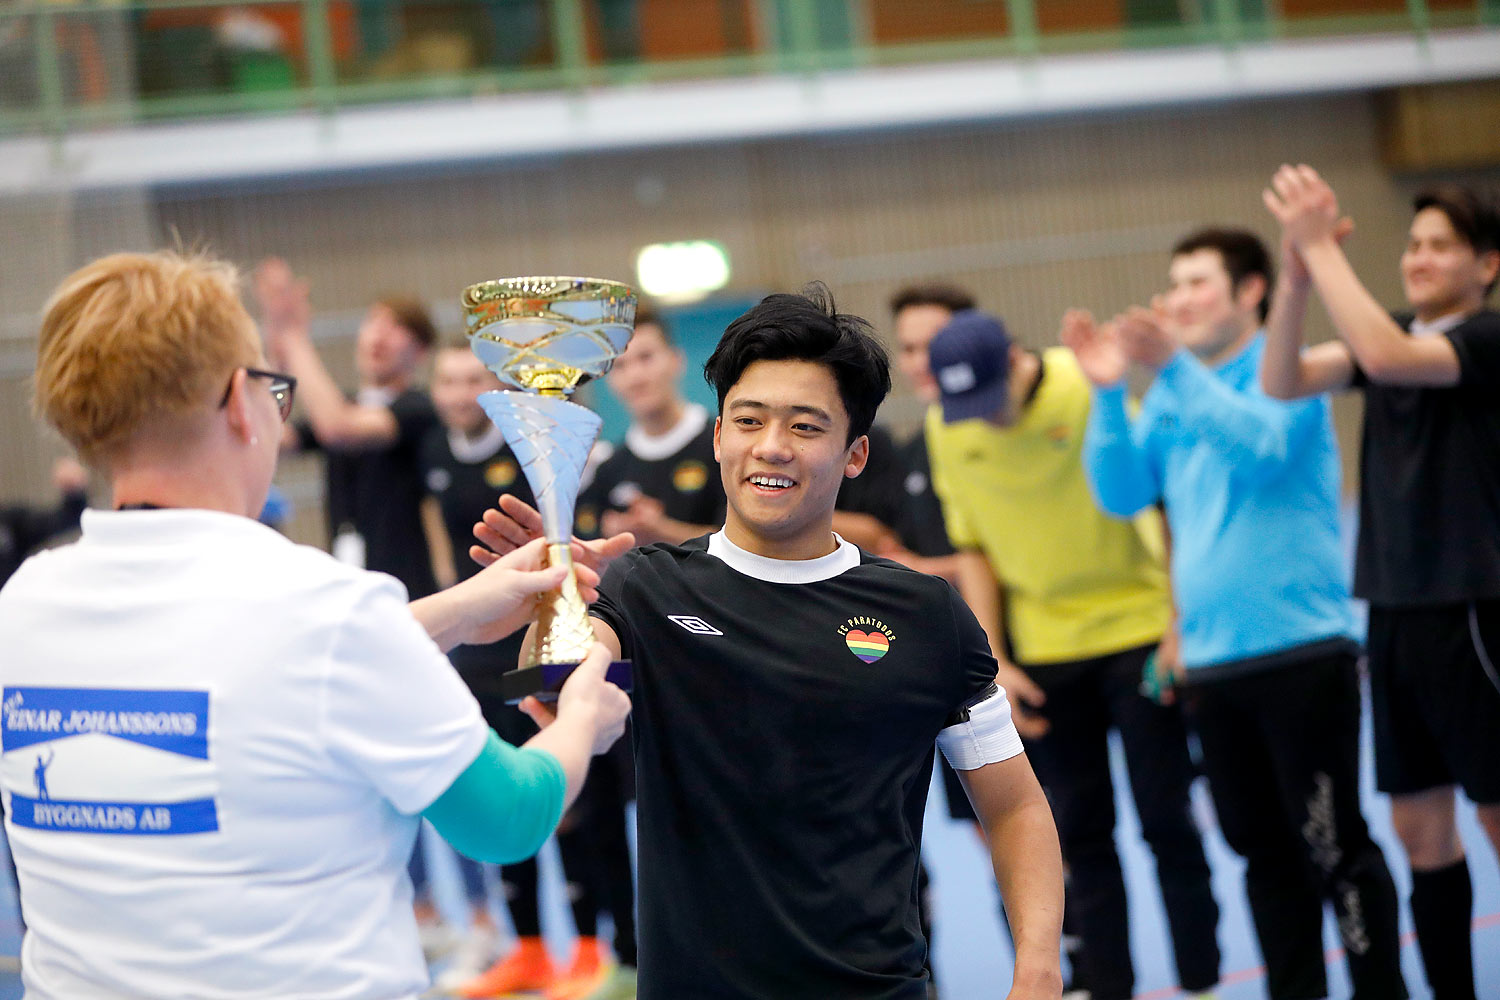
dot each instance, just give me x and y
(1097, 347)
(1305, 205)
(1146, 335)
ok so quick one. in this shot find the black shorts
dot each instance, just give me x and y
(1435, 692)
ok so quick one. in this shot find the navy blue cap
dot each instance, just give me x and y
(970, 359)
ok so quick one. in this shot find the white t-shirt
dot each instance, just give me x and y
(215, 745)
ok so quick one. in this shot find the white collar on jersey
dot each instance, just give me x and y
(653, 449)
(472, 451)
(374, 395)
(840, 560)
(1440, 325)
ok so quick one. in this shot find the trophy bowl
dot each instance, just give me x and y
(546, 336)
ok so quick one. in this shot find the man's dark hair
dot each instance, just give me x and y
(412, 316)
(1474, 218)
(807, 327)
(949, 297)
(646, 315)
(1243, 253)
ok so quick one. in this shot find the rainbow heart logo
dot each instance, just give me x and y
(868, 646)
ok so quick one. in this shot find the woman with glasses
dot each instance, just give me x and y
(217, 744)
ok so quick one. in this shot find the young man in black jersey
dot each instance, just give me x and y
(660, 485)
(789, 690)
(1428, 556)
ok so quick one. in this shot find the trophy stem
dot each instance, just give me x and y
(563, 634)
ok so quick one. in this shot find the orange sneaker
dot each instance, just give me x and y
(585, 973)
(528, 967)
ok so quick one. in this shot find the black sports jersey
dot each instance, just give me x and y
(1429, 507)
(920, 523)
(465, 488)
(24, 529)
(877, 490)
(686, 481)
(378, 491)
(784, 737)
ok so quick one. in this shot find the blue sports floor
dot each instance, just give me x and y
(973, 959)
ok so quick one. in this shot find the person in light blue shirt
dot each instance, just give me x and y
(1251, 491)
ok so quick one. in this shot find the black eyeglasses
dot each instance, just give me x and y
(283, 388)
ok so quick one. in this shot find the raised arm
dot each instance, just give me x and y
(1255, 432)
(1309, 214)
(286, 315)
(1117, 467)
(1287, 370)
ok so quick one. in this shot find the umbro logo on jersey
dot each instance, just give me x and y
(695, 625)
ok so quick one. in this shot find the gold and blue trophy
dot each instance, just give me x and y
(546, 336)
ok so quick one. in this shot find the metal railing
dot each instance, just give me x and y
(79, 64)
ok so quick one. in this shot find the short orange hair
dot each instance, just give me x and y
(134, 339)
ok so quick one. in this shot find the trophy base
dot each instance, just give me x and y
(546, 679)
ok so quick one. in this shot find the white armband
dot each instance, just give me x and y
(984, 733)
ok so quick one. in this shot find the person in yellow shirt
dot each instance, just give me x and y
(1081, 601)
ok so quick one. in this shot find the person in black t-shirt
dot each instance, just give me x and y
(466, 464)
(1428, 555)
(371, 441)
(660, 484)
(789, 690)
(371, 444)
(24, 528)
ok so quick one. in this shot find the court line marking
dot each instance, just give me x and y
(1331, 956)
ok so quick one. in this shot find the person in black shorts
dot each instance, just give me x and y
(1428, 555)
(660, 484)
(789, 690)
(370, 444)
(465, 465)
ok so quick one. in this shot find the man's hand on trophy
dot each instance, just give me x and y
(515, 523)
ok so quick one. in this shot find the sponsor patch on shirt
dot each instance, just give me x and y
(690, 476)
(498, 475)
(94, 760)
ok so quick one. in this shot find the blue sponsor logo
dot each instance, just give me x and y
(161, 818)
(34, 721)
(175, 721)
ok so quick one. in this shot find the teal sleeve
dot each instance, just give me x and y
(504, 806)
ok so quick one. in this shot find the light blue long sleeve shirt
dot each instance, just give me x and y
(1251, 488)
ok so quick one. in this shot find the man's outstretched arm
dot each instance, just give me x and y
(1024, 849)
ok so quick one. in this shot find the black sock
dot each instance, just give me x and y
(1442, 905)
(577, 861)
(519, 881)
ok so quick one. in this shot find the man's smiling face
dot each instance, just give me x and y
(782, 451)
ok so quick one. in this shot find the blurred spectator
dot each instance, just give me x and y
(1083, 600)
(371, 444)
(24, 529)
(1428, 555)
(1251, 487)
